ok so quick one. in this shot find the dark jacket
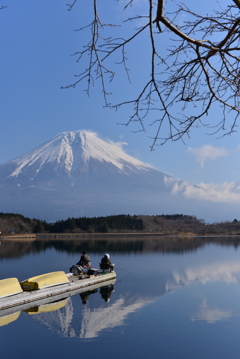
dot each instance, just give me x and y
(106, 260)
(84, 260)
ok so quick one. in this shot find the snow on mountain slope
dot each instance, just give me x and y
(74, 150)
(78, 174)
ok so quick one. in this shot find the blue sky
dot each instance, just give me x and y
(37, 41)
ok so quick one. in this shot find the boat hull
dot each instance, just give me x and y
(9, 286)
(44, 281)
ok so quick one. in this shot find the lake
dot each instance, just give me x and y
(173, 298)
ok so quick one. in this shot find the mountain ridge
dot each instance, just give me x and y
(70, 151)
(78, 174)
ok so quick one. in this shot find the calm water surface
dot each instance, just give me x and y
(174, 297)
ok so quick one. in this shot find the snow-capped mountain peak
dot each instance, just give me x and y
(77, 173)
(74, 150)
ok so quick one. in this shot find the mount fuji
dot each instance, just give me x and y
(78, 174)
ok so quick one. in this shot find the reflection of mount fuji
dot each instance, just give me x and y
(68, 322)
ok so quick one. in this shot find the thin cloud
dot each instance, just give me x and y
(227, 192)
(207, 153)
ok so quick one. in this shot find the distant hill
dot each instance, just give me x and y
(162, 225)
(11, 223)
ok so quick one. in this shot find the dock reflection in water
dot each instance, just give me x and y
(45, 305)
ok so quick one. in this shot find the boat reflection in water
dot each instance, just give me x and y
(45, 308)
(7, 319)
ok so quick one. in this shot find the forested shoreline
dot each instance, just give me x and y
(175, 224)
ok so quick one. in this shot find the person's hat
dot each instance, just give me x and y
(107, 255)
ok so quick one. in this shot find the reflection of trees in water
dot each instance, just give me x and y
(15, 249)
(144, 245)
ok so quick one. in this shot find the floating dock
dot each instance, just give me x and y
(48, 304)
(53, 292)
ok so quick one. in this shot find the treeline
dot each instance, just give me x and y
(16, 216)
(11, 223)
(179, 224)
(92, 225)
(163, 225)
(175, 216)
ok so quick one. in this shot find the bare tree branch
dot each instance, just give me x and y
(237, 2)
(201, 68)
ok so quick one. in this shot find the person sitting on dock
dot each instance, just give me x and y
(84, 260)
(106, 262)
